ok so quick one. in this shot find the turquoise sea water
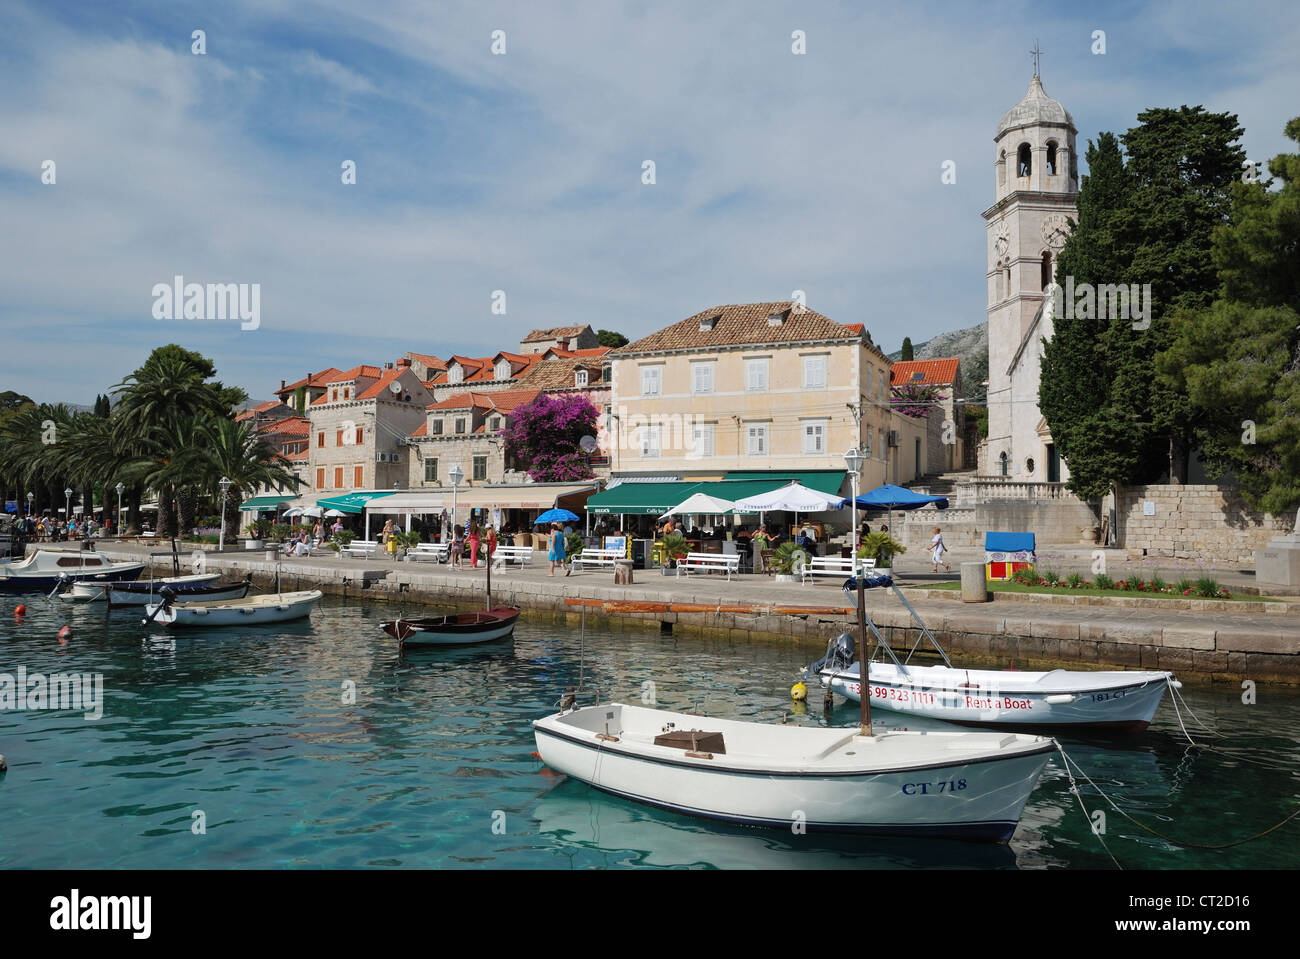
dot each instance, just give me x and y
(432, 766)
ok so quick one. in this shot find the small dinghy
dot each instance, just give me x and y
(94, 592)
(480, 626)
(1117, 700)
(205, 590)
(920, 783)
(250, 611)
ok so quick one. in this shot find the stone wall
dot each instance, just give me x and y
(1208, 523)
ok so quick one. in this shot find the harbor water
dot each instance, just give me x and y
(317, 745)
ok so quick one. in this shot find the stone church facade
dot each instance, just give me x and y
(1036, 179)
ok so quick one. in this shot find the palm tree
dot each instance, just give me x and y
(239, 453)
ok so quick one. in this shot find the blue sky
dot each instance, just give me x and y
(522, 172)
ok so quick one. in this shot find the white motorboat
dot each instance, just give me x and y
(95, 592)
(910, 783)
(1118, 700)
(47, 568)
(250, 611)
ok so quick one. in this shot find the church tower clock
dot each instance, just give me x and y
(1036, 182)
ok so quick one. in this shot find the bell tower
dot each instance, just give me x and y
(1036, 185)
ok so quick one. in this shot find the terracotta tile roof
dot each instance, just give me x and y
(431, 362)
(380, 385)
(463, 400)
(853, 327)
(933, 371)
(288, 426)
(737, 324)
(558, 374)
(315, 379)
(554, 333)
(300, 455)
(505, 401)
(563, 354)
(356, 373)
(422, 429)
(471, 362)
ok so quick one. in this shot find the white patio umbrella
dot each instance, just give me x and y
(794, 498)
(702, 503)
(290, 513)
(335, 512)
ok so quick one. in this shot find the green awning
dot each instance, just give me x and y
(265, 503)
(650, 499)
(824, 481)
(350, 502)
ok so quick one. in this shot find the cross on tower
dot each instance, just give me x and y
(1036, 53)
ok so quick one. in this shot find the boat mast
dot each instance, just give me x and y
(864, 679)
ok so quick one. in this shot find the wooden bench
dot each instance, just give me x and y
(366, 547)
(710, 562)
(597, 557)
(837, 566)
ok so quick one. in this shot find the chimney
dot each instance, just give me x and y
(282, 386)
(404, 362)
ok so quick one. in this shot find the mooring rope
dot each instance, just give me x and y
(1141, 825)
(1175, 697)
(1074, 791)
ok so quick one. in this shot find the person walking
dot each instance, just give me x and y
(556, 554)
(937, 549)
(457, 545)
(475, 538)
(491, 534)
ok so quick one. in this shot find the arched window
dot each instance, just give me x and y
(1001, 276)
(1002, 168)
(1045, 276)
(1024, 161)
(1008, 272)
(1029, 466)
(1002, 460)
(1051, 159)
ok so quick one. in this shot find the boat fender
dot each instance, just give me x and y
(1059, 700)
(799, 692)
(64, 635)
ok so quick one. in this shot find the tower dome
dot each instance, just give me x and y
(1036, 109)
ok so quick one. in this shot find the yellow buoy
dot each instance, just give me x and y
(798, 692)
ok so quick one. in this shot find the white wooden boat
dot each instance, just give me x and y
(46, 568)
(250, 611)
(1116, 700)
(90, 591)
(910, 783)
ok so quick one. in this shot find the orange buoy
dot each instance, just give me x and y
(20, 611)
(64, 635)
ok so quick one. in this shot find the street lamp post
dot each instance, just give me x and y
(30, 497)
(67, 512)
(455, 474)
(853, 460)
(221, 536)
(119, 487)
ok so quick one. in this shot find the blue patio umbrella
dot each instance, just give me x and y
(557, 516)
(889, 497)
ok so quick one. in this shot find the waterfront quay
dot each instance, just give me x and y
(1197, 640)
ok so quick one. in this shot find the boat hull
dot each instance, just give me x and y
(199, 593)
(457, 629)
(1114, 700)
(94, 591)
(247, 612)
(975, 796)
(44, 582)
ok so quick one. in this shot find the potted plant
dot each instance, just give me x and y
(675, 548)
(573, 544)
(882, 548)
(257, 532)
(788, 561)
(340, 541)
(411, 538)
